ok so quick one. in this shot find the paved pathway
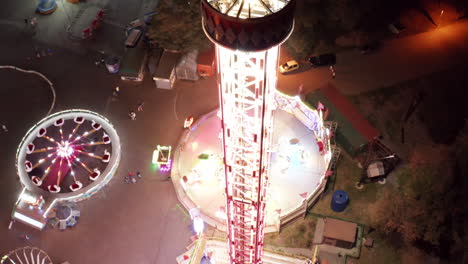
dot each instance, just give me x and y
(398, 60)
(135, 223)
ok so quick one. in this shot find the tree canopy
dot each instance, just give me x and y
(324, 21)
(429, 211)
(177, 25)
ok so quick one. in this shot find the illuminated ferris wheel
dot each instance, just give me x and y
(31, 255)
(69, 151)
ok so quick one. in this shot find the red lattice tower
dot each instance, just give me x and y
(247, 35)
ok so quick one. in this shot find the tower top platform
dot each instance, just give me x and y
(248, 25)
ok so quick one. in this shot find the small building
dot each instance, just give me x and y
(154, 56)
(133, 64)
(187, 67)
(165, 75)
(355, 131)
(29, 210)
(335, 232)
(375, 169)
(206, 63)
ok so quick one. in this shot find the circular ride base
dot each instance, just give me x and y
(47, 6)
(65, 149)
(296, 170)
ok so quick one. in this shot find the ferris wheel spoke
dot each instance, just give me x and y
(85, 167)
(91, 144)
(39, 162)
(85, 135)
(74, 130)
(90, 154)
(59, 174)
(70, 165)
(43, 150)
(46, 172)
(51, 140)
(61, 134)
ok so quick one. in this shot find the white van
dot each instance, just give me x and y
(133, 38)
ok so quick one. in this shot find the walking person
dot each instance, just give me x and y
(12, 221)
(132, 115)
(332, 69)
(300, 91)
(138, 174)
(140, 106)
(34, 22)
(116, 91)
(25, 237)
(26, 21)
(129, 178)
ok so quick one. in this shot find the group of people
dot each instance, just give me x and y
(130, 178)
(132, 113)
(43, 52)
(33, 21)
(139, 108)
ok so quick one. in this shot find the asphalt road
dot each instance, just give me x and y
(398, 60)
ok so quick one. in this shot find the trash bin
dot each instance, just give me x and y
(340, 200)
(113, 64)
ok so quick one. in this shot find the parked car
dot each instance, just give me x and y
(323, 60)
(133, 37)
(289, 66)
(137, 23)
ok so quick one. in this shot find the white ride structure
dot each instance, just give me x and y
(247, 35)
(67, 156)
(30, 255)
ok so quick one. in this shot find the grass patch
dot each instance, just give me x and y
(382, 251)
(299, 234)
(348, 173)
(403, 176)
(441, 111)
(385, 108)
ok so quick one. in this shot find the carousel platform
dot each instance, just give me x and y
(298, 168)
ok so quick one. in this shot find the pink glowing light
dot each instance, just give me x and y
(166, 168)
(61, 157)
